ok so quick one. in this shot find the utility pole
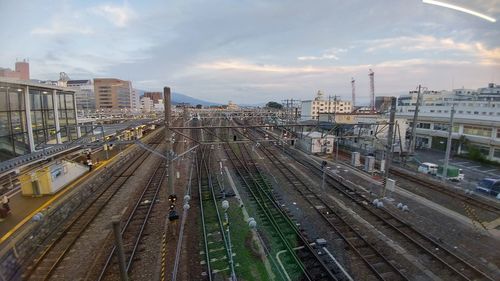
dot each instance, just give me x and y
(185, 118)
(119, 248)
(371, 74)
(170, 154)
(413, 138)
(388, 154)
(448, 144)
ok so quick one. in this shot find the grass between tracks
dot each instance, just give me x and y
(249, 263)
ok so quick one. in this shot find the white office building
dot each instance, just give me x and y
(310, 109)
(135, 103)
(84, 94)
(476, 119)
(147, 104)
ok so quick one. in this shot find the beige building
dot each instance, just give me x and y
(311, 109)
(112, 94)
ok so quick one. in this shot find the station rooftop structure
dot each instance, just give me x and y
(34, 115)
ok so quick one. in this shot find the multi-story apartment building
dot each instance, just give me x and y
(112, 94)
(135, 103)
(147, 104)
(84, 94)
(476, 119)
(310, 109)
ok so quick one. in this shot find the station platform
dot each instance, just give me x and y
(23, 208)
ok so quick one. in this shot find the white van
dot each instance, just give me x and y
(428, 168)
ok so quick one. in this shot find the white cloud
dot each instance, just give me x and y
(61, 29)
(119, 16)
(331, 54)
(245, 66)
(240, 65)
(425, 43)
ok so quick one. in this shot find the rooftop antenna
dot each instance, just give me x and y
(353, 86)
(371, 74)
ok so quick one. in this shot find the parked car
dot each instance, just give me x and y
(489, 185)
(428, 168)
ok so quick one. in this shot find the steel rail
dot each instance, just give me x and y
(259, 198)
(357, 198)
(469, 199)
(482, 204)
(304, 240)
(132, 215)
(330, 211)
(64, 233)
(210, 186)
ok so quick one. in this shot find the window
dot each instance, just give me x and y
(424, 125)
(441, 126)
(477, 131)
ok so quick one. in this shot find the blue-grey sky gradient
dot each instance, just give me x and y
(255, 51)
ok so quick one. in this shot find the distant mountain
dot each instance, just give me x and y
(181, 98)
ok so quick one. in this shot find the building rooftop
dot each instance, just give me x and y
(74, 82)
(33, 84)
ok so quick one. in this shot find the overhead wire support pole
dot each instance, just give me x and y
(388, 155)
(413, 138)
(172, 198)
(448, 144)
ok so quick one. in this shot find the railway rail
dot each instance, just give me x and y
(217, 253)
(133, 229)
(490, 210)
(371, 257)
(301, 260)
(54, 252)
(468, 199)
(444, 262)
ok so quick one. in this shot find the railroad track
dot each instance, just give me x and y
(489, 210)
(488, 207)
(52, 254)
(133, 228)
(371, 257)
(468, 199)
(299, 260)
(444, 262)
(216, 250)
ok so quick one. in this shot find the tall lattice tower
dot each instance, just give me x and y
(353, 87)
(371, 74)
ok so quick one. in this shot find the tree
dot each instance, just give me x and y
(273, 104)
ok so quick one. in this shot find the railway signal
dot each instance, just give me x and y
(172, 214)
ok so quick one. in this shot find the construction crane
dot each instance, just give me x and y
(371, 74)
(353, 86)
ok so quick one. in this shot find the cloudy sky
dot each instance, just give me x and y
(252, 51)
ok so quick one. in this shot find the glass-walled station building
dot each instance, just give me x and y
(33, 115)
